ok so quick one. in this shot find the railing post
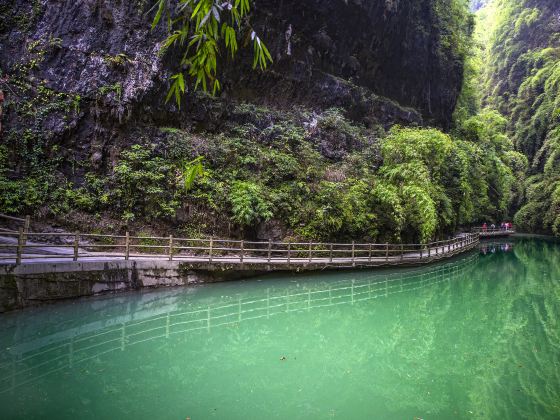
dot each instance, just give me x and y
(310, 251)
(20, 246)
(127, 246)
(369, 253)
(167, 324)
(242, 252)
(239, 309)
(170, 247)
(269, 249)
(402, 251)
(211, 250)
(289, 252)
(386, 252)
(421, 251)
(330, 252)
(353, 253)
(76, 245)
(27, 223)
(123, 336)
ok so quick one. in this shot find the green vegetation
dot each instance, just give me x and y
(30, 160)
(22, 18)
(201, 28)
(409, 183)
(520, 63)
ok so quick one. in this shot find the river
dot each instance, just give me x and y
(474, 337)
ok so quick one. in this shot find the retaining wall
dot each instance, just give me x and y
(33, 284)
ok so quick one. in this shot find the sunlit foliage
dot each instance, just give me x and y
(522, 76)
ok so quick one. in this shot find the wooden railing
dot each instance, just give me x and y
(26, 221)
(481, 230)
(79, 246)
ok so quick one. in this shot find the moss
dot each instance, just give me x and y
(22, 17)
(8, 281)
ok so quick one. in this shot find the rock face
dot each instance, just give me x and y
(91, 69)
(390, 47)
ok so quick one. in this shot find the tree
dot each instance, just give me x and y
(201, 29)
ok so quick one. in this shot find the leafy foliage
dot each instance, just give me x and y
(445, 182)
(411, 184)
(201, 28)
(249, 204)
(522, 80)
(144, 183)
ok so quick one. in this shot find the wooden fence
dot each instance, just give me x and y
(28, 247)
(480, 230)
(26, 221)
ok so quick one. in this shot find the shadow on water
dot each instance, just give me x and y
(476, 337)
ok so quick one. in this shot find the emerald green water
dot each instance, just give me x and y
(476, 337)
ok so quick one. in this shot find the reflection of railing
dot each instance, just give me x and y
(493, 231)
(78, 348)
(78, 246)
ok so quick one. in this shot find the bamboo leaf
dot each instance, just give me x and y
(159, 13)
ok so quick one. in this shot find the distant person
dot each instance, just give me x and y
(503, 226)
(493, 226)
(484, 227)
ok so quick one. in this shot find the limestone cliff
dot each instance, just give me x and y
(374, 58)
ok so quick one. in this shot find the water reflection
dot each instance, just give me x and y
(42, 346)
(491, 247)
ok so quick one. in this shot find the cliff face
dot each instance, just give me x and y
(396, 49)
(351, 54)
